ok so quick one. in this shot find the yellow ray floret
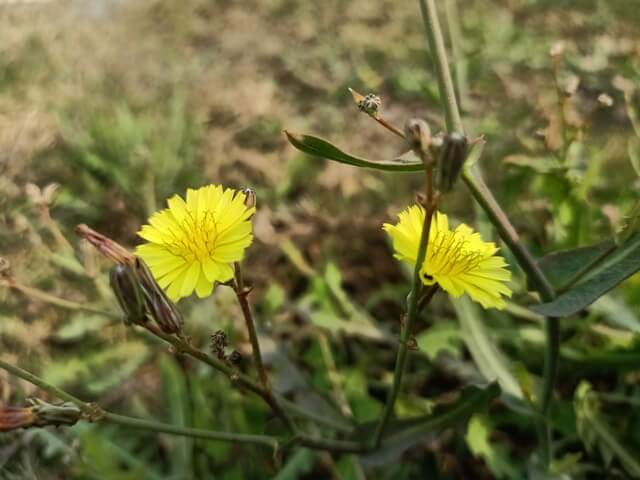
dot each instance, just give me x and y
(457, 260)
(193, 243)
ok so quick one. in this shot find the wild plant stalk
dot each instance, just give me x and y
(95, 413)
(413, 309)
(242, 294)
(498, 218)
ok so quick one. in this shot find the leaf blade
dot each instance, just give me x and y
(319, 147)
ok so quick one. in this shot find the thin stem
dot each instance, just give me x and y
(388, 126)
(238, 378)
(412, 313)
(151, 425)
(95, 413)
(52, 299)
(47, 387)
(242, 293)
(331, 445)
(445, 83)
(333, 375)
(485, 198)
(455, 35)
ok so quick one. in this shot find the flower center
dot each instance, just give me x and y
(449, 253)
(195, 239)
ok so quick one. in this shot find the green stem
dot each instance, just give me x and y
(485, 198)
(455, 34)
(47, 387)
(412, 314)
(141, 424)
(242, 294)
(445, 83)
(331, 445)
(333, 375)
(53, 300)
(95, 413)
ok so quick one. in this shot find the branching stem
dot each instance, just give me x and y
(507, 232)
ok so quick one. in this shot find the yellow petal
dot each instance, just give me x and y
(178, 208)
(190, 280)
(204, 287)
(210, 269)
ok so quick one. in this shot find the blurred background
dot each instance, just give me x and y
(109, 107)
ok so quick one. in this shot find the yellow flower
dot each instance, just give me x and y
(192, 244)
(459, 261)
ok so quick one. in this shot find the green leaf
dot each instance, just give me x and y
(491, 362)
(478, 439)
(617, 266)
(403, 434)
(442, 337)
(318, 147)
(595, 431)
(177, 400)
(561, 267)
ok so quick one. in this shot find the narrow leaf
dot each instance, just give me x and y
(318, 147)
(491, 362)
(563, 266)
(623, 262)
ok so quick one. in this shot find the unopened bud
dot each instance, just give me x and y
(13, 418)
(369, 104)
(418, 135)
(63, 414)
(451, 157)
(125, 285)
(40, 414)
(105, 245)
(158, 305)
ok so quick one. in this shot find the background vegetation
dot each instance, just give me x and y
(122, 104)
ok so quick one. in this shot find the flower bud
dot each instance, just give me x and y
(13, 418)
(418, 135)
(63, 414)
(125, 286)
(158, 305)
(369, 104)
(40, 414)
(451, 157)
(105, 245)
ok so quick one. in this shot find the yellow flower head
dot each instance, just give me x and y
(459, 260)
(192, 244)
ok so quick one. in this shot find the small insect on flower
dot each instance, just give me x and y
(193, 243)
(459, 261)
